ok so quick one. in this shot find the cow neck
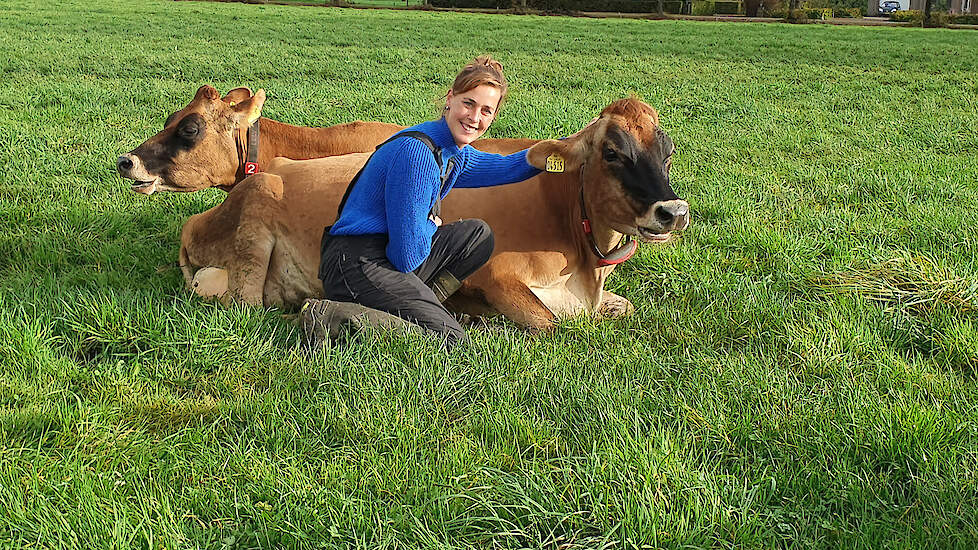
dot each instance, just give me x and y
(617, 253)
(302, 142)
(294, 142)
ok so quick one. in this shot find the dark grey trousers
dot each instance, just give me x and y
(356, 269)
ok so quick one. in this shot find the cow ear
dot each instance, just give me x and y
(557, 155)
(249, 110)
(207, 92)
(236, 96)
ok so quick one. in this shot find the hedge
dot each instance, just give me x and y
(724, 7)
(566, 6)
(483, 4)
(848, 12)
(965, 19)
(620, 6)
(937, 18)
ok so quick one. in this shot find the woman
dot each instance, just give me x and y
(388, 250)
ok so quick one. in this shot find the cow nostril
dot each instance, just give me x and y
(124, 164)
(664, 215)
(672, 212)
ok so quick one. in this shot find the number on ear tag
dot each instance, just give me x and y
(555, 163)
(251, 168)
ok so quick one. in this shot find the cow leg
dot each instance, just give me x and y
(258, 198)
(613, 305)
(469, 301)
(203, 247)
(186, 268)
(232, 266)
(246, 282)
(517, 302)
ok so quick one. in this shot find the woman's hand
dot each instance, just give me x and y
(436, 220)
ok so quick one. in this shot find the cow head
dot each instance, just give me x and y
(197, 147)
(623, 159)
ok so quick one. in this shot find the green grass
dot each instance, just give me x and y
(801, 370)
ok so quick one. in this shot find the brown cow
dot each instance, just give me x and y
(265, 237)
(205, 144)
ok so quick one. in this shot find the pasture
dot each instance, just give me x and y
(801, 369)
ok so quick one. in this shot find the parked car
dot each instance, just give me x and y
(889, 6)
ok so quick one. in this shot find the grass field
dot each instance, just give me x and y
(801, 370)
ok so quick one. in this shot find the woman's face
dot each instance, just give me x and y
(469, 114)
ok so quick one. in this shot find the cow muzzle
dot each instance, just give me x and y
(131, 167)
(664, 218)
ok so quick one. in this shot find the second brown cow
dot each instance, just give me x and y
(209, 143)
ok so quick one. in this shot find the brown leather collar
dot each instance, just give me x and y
(247, 141)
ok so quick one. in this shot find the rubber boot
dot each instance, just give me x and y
(326, 321)
(444, 285)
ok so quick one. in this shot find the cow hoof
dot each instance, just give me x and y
(471, 321)
(615, 307)
(210, 282)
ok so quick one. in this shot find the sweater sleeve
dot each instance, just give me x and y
(488, 169)
(412, 180)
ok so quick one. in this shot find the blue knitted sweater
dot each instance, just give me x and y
(398, 187)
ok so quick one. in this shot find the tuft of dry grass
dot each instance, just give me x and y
(911, 282)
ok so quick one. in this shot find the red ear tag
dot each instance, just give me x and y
(251, 168)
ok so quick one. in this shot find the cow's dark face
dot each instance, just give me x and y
(624, 160)
(197, 147)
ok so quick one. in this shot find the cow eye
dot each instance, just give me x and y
(188, 131)
(610, 155)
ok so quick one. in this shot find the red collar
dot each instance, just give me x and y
(626, 246)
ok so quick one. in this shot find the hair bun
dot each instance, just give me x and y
(488, 61)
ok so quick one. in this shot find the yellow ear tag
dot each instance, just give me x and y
(230, 104)
(555, 163)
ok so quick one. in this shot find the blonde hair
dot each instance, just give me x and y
(483, 70)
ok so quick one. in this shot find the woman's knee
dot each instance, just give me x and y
(479, 228)
(482, 239)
